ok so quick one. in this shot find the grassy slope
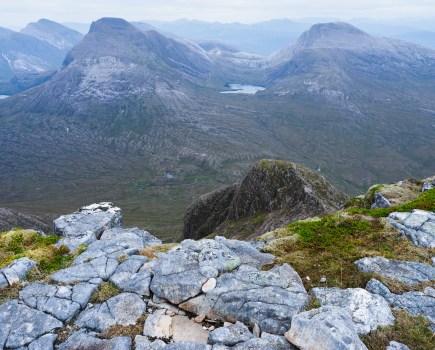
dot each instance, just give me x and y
(329, 246)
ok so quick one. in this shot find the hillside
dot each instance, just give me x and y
(139, 118)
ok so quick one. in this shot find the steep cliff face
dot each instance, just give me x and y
(272, 194)
(10, 219)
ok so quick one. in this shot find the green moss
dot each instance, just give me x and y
(105, 291)
(409, 330)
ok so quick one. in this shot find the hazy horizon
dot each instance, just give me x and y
(18, 14)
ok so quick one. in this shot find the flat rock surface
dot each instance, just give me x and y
(369, 311)
(330, 327)
(232, 335)
(62, 302)
(124, 309)
(408, 272)
(418, 226)
(185, 329)
(83, 340)
(21, 325)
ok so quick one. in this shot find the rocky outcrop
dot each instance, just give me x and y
(408, 272)
(418, 226)
(10, 219)
(282, 191)
(204, 215)
(87, 224)
(15, 272)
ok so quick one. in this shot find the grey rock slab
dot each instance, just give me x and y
(187, 330)
(17, 270)
(428, 185)
(408, 272)
(87, 224)
(62, 302)
(415, 303)
(101, 267)
(330, 326)
(394, 345)
(232, 335)
(46, 342)
(3, 281)
(369, 311)
(266, 342)
(251, 296)
(128, 277)
(133, 236)
(83, 340)
(187, 346)
(21, 325)
(380, 202)
(124, 309)
(418, 226)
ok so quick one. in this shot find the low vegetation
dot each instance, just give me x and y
(328, 247)
(410, 330)
(151, 252)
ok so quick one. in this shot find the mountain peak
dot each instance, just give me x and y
(334, 35)
(109, 24)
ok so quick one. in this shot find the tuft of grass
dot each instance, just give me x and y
(151, 252)
(328, 247)
(9, 293)
(125, 331)
(105, 291)
(410, 330)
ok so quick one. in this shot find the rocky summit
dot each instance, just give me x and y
(273, 194)
(98, 285)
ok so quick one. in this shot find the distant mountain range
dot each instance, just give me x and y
(138, 118)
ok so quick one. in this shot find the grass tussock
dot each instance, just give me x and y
(409, 330)
(125, 331)
(105, 291)
(328, 247)
(151, 252)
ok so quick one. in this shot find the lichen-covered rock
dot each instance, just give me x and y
(62, 302)
(408, 272)
(87, 224)
(418, 226)
(232, 335)
(21, 325)
(269, 299)
(84, 340)
(415, 303)
(369, 311)
(330, 327)
(124, 309)
(283, 191)
(16, 271)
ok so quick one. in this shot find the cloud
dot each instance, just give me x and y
(20, 12)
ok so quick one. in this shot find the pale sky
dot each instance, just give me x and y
(17, 13)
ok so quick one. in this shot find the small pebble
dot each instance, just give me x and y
(199, 318)
(323, 280)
